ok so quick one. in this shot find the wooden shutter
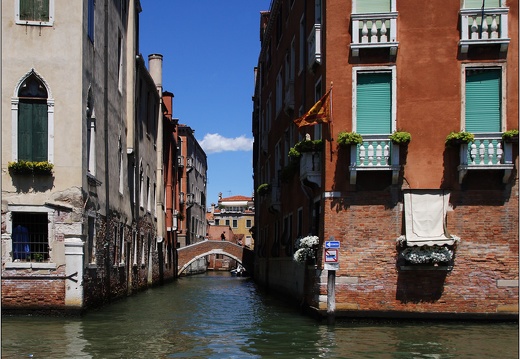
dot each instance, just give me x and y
(374, 103)
(483, 104)
(25, 131)
(477, 4)
(367, 6)
(27, 10)
(32, 131)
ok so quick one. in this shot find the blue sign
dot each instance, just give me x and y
(332, 244)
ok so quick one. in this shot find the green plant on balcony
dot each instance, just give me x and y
(510, 136)
(305, 146)
(263, 189)
(30, 167)
(349, 138)
(400, 137)
(458, 138)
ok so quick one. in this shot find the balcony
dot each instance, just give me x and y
(487, 152)
(376, 153)
(483, 27)
(310, 167)
(374, 30)
(314, 47)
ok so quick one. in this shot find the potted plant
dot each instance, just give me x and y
(306, 249)
(263, 189)
(349, 138)
(427, 255)
(457, 138)
(23, 167)
(510, 136)
(400, 137)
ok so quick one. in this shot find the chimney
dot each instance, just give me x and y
(155, 64)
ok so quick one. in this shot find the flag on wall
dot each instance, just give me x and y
(319, 113)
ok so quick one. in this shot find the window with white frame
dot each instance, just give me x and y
(91, 135)
(374, 99)
(30, 236)
(372, 6)
(34, 12)
(482, 98)
(235, 223)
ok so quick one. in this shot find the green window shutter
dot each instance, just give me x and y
(365, 6)
(32, 131)
(40, 138)
(27, 10)
(477, 4)
(25, 131)
(483, 104)
(42, 10)
(374, 103)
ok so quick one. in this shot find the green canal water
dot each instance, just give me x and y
(219, 316)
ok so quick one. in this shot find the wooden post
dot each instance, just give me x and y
(331, 296)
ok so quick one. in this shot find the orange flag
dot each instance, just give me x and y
(319, 113)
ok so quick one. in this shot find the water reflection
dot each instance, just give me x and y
(218, 316)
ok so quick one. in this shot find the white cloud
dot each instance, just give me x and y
(213, 143)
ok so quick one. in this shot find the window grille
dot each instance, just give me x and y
(30, 236)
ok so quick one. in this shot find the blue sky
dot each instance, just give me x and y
(210, 49)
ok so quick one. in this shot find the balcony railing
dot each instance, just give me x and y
(310, 167)
(487, 152)
(374, 30)
(483, 27)
(314, 44)
(376, 153)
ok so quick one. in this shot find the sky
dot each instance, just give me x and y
(210, 49)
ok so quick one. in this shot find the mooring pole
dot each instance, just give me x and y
(331, 296)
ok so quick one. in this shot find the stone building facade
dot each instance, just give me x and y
(82, 187)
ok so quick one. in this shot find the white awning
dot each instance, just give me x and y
(425, 218)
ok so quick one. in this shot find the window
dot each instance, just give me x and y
(35, 12)
(374, 101)
(30, 236)
(91, 240)
(32, 115)
(299, 223)
(90, 30)
(217, 222)
(302, 45)
(91, 134)
(120, 61)
(248, 223)
(371, 6)
(279, 94)
(235, 223)
(227, 222)
(483, 104)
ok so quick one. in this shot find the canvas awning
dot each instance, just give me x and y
(425, 218)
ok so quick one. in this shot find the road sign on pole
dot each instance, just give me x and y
(332, 244)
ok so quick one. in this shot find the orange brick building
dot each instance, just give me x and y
(426, 227)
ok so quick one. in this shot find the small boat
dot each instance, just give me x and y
(239, 271)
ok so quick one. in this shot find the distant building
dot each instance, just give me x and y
(192, 179)
(237, 213)
(425, 228)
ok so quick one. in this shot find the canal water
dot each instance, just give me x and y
(218, 316)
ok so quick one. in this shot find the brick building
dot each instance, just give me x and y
(427, 227)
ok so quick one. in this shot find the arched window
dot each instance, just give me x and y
(33, 120)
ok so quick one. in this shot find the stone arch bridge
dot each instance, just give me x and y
(188, 254)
